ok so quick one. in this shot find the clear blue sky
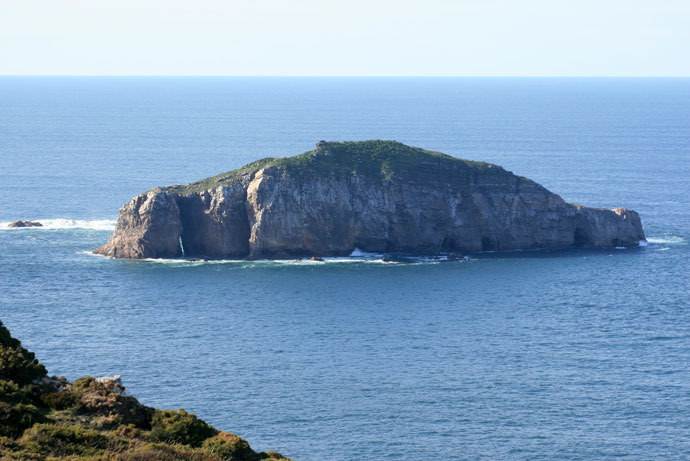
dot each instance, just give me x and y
(322, 37)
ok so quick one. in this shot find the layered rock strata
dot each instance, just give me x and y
(378, 196)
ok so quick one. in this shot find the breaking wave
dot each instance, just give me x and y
(58, 223)
(666, 240)
(357, 255)
(364, 258)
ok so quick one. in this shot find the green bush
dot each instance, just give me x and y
(179, 427)
(14, 419)
(20, 366)
(63, 440)
(129, 431)
(11, 392)
(229, 447)
(11, 450)
(6, 339)
(166, 452)
(83, 383)
(16, 363)
(60, 400)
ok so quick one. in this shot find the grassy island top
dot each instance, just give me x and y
(375, 158)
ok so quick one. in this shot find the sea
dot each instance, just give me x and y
(574, 354)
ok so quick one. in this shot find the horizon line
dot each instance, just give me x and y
(336, 76)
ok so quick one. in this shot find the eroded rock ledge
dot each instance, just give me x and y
(378, 196)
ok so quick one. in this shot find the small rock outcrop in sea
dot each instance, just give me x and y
(25, 224)
(92, 418)
(378, 196)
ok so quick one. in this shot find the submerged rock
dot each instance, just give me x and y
(25, 224)
(378, 196)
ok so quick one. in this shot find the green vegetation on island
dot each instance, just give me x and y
(375, 158)
(48, 418)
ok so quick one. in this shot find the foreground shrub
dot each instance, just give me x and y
(83, 383)
(6, 339)
(20, 366)
(166, 452)
(229, 447)
(11, 392)
(109, 409)
(63, 440)
(11, 450)
(129, 431)
(14, 419)
(16, 363)
(179, 427)
(60, 400)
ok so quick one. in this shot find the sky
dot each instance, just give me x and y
(346, 38)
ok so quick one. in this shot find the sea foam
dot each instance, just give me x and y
(60, 223)
(666, 240)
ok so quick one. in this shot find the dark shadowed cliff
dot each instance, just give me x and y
(378, 196)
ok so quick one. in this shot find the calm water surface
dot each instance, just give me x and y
(538, 355)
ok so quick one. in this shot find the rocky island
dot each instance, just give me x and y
(47, 418)
(25, 224)
(377, 196)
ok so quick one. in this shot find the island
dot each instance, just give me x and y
(44, 417)
(376, 196)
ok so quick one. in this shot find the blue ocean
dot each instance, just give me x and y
(576, 354)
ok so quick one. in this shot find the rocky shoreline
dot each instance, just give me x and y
(378, 196)
(45, 418)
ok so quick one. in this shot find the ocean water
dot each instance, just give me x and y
(575, 354)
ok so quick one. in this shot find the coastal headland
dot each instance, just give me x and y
(44, 417)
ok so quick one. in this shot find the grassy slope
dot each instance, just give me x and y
(370, 158)
(44, 419)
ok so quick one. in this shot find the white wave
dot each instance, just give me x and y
(187, 262)
(428, 259)
(380, 260)
(180, 262)
(262, 262)
(357, 253)
(666, 240)
(59, 223)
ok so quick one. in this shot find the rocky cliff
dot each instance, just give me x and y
(378, 196)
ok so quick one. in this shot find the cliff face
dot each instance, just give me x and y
(148, 227)
(378, 196)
